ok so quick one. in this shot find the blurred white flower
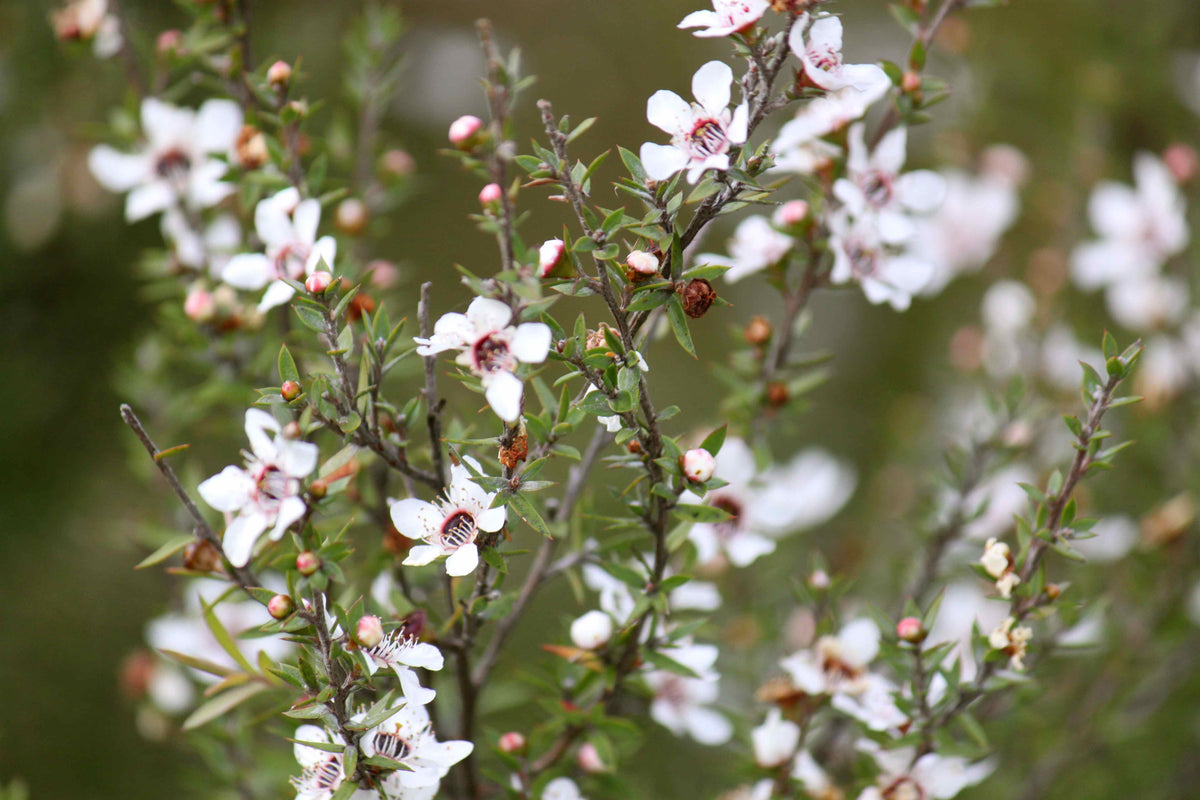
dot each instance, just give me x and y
(775, 740)
(836, 664)
(755, 246)
(820, 53)
(861, 254)
(799, 146)
(680, 702)
(930, 777)
(592, 630)
(1150, 303)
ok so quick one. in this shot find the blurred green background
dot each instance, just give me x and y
(1077, 85)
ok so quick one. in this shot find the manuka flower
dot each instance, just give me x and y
(450, 527)
(930, 777)
(727, 16)
(799, 146)
(287, 227)
(89, 20)
(265, 494)
(755, 246)
(836, 664)
(176, 163)
(407, 737)
(775, 740)
(860, 253)
(820, 52)
(492, 349)
(701, 132)
(680, 702)
(402, 652)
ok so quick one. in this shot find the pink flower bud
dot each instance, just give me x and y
(1181, 161)
(909, 629)
(549, 256)
(511, 742)
(318, 282)
(290, 390)
(819, 580)
(697, 464)
(591, 630)
(588, 758)
(280, 606)
(397, 163)
(489, 194)
(279, 74)
(351, 216)
(168, 42)
(369, 631)
(308, 562)
(642, 263)
(464, 130)
(199, 305)
(791, 213)
(383, 273)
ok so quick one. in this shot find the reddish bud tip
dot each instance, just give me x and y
(588, 758)
(279, 74)
(464, 132)
(280, 606)
(791, 213)
(511, 742)
(199, 305)
(318, 282)
(909, 629)
(550, 255)
(910, 82)
(641, 264)
(489, 194)
(757, 331)
(308, 562)
(291, 390)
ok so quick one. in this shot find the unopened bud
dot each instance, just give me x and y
(251, 148)
(167, 43)
(698, 296)
(550, 255)
(489, 194)
(369, 631)
(791, 213)
(777, 394)
(819, 580)
(201, 556)
(1053, 590)
(910, 82)
(199, 305)
(290, 390)
(318, 488)
(641, 264)
(280, 606)
(464, 131)
(909, 629)
(318, 282)
(697, 464)
(279, 74)
(384, 274)
(351, 216)
(511, 742)
(757, 331)
(588, 759)
(308, 562)
(633, 446)
(292, 430)
(591, 630)
(397, 163)
(1181, 161)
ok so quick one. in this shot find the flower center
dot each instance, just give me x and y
(391, 744)
(708, 138)
(825, 59)
(837, 670)
(864, 261)
(458, 529)
(673, 691)
(327, 774)
(727, 529)
(173, 165)
(491, 355)
(273, 483)
(877, 186)
(290, 259)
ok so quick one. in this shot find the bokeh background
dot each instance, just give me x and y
(1077, 85)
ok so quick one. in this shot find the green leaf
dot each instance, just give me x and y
(633, 164)
(679, 325)
(287, 366)
(166, 551)
(222, 703)
(713, 442)
(311, 319)
(697, 513)
(223, 638)
(198, 663)
(525, 510)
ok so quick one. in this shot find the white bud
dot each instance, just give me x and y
(549, 254)
(698, 464)
(995, 558)
(591, 630)
(642, 263)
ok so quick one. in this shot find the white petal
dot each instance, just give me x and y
(166, 125)
(240, 537)
(531, 342)
(411, 686)
(463, 561)
(296, 458)
(922, 190)
(117, 171)
(711, 86)
(669, 112)
(147, 199)
(422, 655)
(707, 726)
(416, 519)
(257, 425)
(860, 641)
(738, 125)
(890, 153)
(492, 520)
(290, 510)
(323, 253)
(826, 34)
(421, 555)
(305, 220)
(250, 271)
(228, 490)
(205, 187)
(1114, 211)
(277, 294)
(661, 161)
(218, 123)
(504, 395)
(488, 315)
(309, 756)
(700, 19)
(272, 223)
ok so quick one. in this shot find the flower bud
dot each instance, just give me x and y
(308, 562)
(351, 216)
(757, 331)
(280, 606)
(1053, 590)
(279, 74)
(697, 464)
(292, 430)
(318, 488)
(201, 556)
(167, 43)
(588, 758)
(199, 305)
(591, 630)
(910, 82)
(251, 148)
(318, 282)
(641, 265)
(909, 629)
(384, 274)
(1182, 162)
(369, 631)
(791, 213)
(396, 163)
(698, 296)
(996, 558)
(290, 390)
(819, 580)
(464, 131)
(777, 394)
(489, 194)
(550, 255)
(511, 742)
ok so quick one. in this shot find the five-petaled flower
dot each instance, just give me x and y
(860, 253)
(701, 132)
(265, 494)
(903, 776)
(402, 652)
(407, 737)
(680, 703)
(287, 226)
(176, 163)
(450, 527)
(820, 52)
(492, 349)
(727, 17)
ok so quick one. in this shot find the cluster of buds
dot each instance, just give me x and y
(1012, 639)
(997, 561)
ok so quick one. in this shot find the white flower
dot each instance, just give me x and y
(679, 701)
(1061, 354)
(176, 163)
(407, 736)
(1149, 303)
(836, 664)
(266, 493)
(775, 740)
(931, 777)
(402, 653)
(449, 528)
(321, 774)
(763, 507)
(820, 52)
(874, 705)
(1115, 537)
(562, 789)
(701, 132)
(287, 227)
(798, 147)
(727, 16)
(874, 186)
(1012, 639)
(814, 779)
(964, 607)
(1139, 228)
(492, 349)
(617, 601)
(755, 246)
(210, 248)
(90, 19)
(591, 630)
(860, 253)
(996, 558)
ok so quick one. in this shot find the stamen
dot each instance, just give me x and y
(391, 745)
(708, 138)
(491, 355)
(727, 528)
(458, 529)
